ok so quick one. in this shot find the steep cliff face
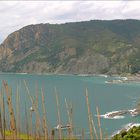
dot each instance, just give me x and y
(82, 47)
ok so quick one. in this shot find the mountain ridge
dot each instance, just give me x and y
(87, 47)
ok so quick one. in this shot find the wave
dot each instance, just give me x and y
(103, 75)
(121, 77)
(114, 81)
(131, 125)
(12, 73)
(113, 115)
(21, 73)
(119, 114)
(124, 78)
(126, 127)
(133, 112)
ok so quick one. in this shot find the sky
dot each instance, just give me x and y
(16, 14)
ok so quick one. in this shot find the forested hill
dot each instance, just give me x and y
(95, 47)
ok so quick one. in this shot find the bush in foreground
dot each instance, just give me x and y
(132, 134)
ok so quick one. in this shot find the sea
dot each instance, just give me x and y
(107, 97)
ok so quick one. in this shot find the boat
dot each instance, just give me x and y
(62, 127)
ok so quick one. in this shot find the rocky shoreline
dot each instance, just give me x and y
(125, 129)
(121, 113)
(127, 79)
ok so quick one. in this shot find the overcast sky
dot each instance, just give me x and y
(16, 14)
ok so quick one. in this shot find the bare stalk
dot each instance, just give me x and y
(99, 123)
(89, 116)
(35, 107)
(18, 111)
(69, 118)
(1, 112)
(58, 113)
(26, 121)
(11, 111)
(38, 122)
(31, 123)
(44, 115)
(4, 120)
(83, 134)
(94, 128)
(1, 128)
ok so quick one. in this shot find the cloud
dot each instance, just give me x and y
(16, 14)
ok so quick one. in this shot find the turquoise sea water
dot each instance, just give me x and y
(108, 97)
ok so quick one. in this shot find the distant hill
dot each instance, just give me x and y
(91, 47)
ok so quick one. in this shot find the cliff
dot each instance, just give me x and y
(96, 46)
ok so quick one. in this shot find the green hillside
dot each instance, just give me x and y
(91, 47)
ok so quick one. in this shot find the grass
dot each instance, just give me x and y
(9, 135)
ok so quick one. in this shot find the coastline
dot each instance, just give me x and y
(120, 78)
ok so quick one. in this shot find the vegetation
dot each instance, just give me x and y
(132, 134)
(96, 46)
